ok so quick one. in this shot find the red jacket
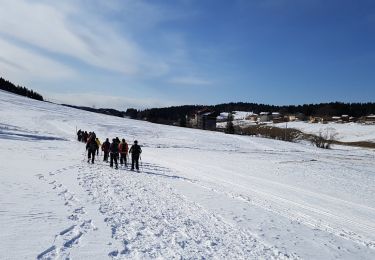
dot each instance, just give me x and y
(123, 148)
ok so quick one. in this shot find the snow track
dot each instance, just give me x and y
(81, 224)
(152, 220)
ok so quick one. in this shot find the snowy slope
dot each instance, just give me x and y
(200, 194)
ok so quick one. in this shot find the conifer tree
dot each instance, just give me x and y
(230, 127)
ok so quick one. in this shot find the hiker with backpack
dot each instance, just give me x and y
(99, 145)
(79, 135)
(135, 151)
(85, 136)
(114, 153)
(123, 148)
(91, 147)
(105, 148)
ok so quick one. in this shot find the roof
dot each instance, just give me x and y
(203, 111)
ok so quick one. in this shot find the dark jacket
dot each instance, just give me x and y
(135, 149)
(92, 145)
(105, 146)
(114, 147)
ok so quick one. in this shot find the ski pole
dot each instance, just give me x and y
(140, 158)
(127, 160)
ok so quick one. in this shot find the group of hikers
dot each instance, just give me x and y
(116, 150)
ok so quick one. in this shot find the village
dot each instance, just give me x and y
(207, 119)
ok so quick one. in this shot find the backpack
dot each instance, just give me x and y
(92, 144)
(114, 147)
(136, 149)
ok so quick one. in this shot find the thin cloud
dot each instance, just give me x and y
(195, 81)
(66, 31)
(16, 62)
(100, 100)
(116, 42)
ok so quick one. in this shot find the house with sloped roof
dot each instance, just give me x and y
(206, 119)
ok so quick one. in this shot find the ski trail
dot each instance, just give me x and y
(152, 220)
(314, 216)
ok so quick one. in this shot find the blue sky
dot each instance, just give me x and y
(135, 53)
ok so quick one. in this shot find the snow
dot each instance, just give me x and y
(241, 115)
(237, 115)
(199, 194)
(346, 132)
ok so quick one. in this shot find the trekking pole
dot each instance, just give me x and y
(140, 159)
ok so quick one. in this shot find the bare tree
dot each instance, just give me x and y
(325, 138)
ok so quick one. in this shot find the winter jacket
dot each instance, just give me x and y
(114, 148)
(105, 146)
(91, 137)
(135, 149)
(98, 142)
(92, 145)
(123, 148)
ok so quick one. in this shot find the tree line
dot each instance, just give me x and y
(10, 87)
(174, 114)
(105, 111)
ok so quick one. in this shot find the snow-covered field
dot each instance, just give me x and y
(199, 194)
(348, 132)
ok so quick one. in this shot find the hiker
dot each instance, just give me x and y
(99, 145)
(85, 136)
(136, 151)
(91, 147)
(79, 135)
(123, 148)
(114, 153)
(105, 148)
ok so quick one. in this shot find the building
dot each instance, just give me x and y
(275, 115)
(370, 119)
(291, 118)
(253, 117)
(300, 117)
(345, 118)
(336, 119)
(316, 119)
(280, 119)
(206, 119)
(265, 117)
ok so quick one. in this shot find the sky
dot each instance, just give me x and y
(137, 53)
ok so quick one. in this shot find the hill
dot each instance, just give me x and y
(19, 90)
(199, 194)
